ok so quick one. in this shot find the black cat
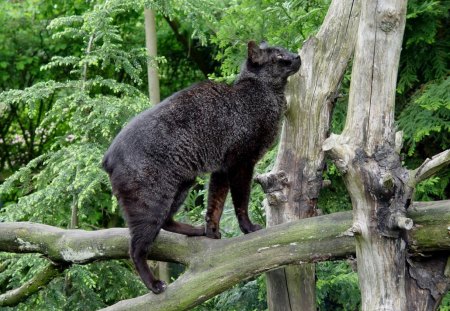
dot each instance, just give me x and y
(209, 127)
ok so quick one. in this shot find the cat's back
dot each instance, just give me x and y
(179, 120)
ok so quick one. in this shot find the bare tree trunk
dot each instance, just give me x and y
(293, 186)
(151, 45)
(367, 152)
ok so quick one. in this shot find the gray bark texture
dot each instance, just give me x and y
(293, 186)
(380, 188)
(216, 265)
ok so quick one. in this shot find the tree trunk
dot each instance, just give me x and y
(293, 186)
(151, 45)
(367, 152)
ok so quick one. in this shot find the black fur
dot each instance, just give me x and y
(209, 127)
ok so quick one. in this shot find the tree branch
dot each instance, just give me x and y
(430, 167)
(14, 296)
(216, 265)
(80, 246)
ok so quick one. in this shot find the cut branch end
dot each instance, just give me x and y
(404, 223)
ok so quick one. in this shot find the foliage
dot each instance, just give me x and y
(423, 101)
(248, 20)
(445, 304)
(87, 287)
(427, 116)
(84, 111)
(25, 44)
(425, 46)
(337, 287)
(247, 296)
(335, 197)
(202, 14)
(91, 109)
(433, 188)
(179, 71)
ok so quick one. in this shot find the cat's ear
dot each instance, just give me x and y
(263, 45)
(255, 53)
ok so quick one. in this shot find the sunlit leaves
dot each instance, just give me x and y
(425, 54)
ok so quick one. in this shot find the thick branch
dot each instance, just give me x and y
(430, 167)
(79, 246)
(311, 94)
(370, 116)
(14, 296)
(215, 265)
(367, 151)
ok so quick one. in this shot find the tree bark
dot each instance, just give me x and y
(427, 277)
(152, 66)
(293, 186)
(216, 265)
(380, 188)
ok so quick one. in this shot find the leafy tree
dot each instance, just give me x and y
(26, 44)
(87, 109)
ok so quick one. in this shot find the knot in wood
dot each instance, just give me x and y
(272, 182)
(276, 198)
(389, 20)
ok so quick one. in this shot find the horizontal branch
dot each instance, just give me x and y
(430, 167)
(80, 246)
(215, 265)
